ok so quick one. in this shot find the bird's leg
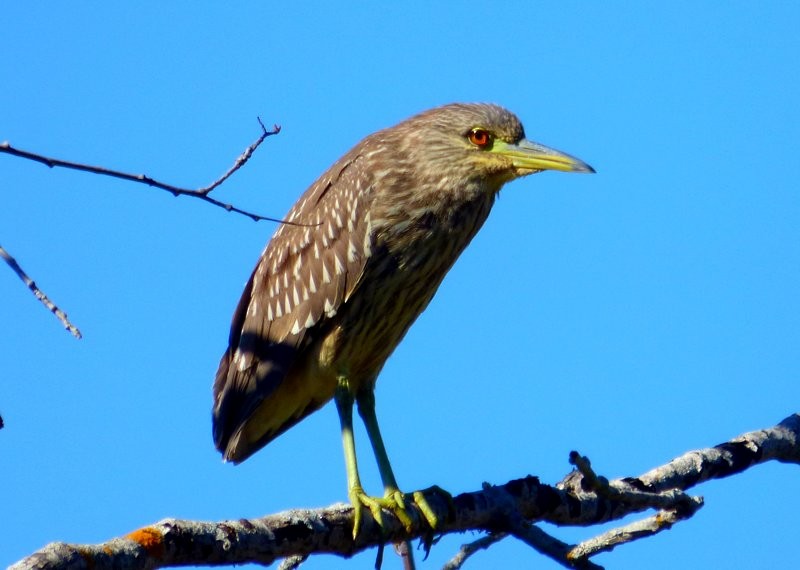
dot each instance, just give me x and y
(395, 500)
(366, 409)
(358, 498)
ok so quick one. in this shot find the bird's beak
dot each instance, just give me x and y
(528, 157)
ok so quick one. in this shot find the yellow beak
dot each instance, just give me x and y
(529, 157)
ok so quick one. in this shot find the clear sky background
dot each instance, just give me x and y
(633, 315)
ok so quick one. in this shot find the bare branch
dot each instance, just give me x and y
(779, 443)
(623, 490)
(551, 547)
(467, 550)
(499, 510)
(639, 529)
(52, 307)
(202, 193)
(292, 562)
(242, 159)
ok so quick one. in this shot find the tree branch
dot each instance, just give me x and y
(201, 193)
(467, 550)
(582, 498)
(52, 307)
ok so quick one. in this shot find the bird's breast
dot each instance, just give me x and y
(410, 258)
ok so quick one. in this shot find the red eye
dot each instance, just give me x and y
(479, 137)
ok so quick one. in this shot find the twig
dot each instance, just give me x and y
(644, 528)
(674, 505)
(406, 554)
(467, 550)
(60, 315)
(243, 158)
(623, 490)
(550, 546)
(292, 562)
(202, 193)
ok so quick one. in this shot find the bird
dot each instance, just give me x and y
(358, 258)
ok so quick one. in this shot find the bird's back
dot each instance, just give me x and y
(306, 272)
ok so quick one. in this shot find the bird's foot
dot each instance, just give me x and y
(427, 511)
(393, 501)
(397, 503)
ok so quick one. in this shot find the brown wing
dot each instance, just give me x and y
(301, 280)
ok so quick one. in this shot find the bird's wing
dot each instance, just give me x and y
(301, 280)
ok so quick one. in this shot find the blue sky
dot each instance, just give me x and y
(632, 315)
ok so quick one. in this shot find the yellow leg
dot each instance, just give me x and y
(355, 492)
(392, 494)
(393, 500)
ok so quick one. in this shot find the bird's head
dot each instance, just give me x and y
(477, 141)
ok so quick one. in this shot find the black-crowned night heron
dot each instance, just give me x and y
(335, 291)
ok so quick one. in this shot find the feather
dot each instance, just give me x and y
(264, 343)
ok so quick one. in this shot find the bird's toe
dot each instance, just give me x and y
(428, 511)
(429, 502)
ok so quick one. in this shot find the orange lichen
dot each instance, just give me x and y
(150, 539)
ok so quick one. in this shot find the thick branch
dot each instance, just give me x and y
(496, 509)
(779, 443)
(201, 193)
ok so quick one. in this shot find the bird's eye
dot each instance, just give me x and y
(480, 138)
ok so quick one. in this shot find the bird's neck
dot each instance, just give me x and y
(439, 225)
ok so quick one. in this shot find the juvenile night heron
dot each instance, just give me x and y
(335, 291)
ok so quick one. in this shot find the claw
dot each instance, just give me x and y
(396, 503)
(355, 494)
(427, 511)
(393, 501)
